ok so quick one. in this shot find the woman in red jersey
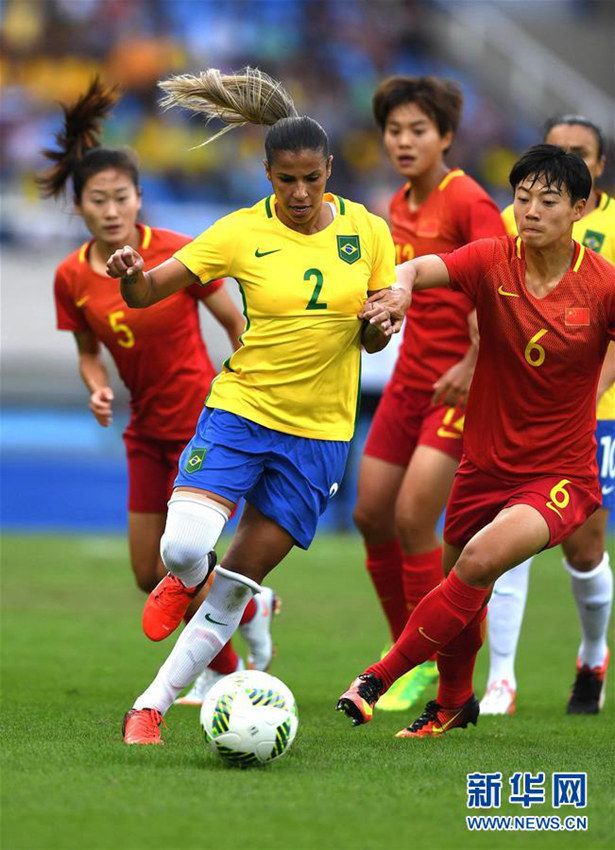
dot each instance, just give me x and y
(528, 477)
(415, 441)
(160, 354)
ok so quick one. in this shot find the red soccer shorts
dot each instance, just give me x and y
(476, 499)
(406, 419)
(152, 467)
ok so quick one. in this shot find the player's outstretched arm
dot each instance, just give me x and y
(425, 272)
(142, 289)
(422, 273)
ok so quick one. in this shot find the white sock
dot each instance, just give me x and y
(192, 530)
(504, 617)
(593, 593)
(211, 627)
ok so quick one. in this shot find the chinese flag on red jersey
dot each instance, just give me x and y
(577, 315)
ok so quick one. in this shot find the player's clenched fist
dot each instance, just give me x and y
(124, 262)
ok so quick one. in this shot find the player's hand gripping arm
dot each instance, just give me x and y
(422, 273)
(375, 337)
(94, 376)
(142, 289)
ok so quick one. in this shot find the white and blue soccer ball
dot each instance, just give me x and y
(249, 718)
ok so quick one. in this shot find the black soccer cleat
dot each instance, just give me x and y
(436, 720)
(589, 689)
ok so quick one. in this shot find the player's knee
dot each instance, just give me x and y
(369, 522)
(191, 532)
(476, 568)
(413, 531)
(179, 555)
(586, 554)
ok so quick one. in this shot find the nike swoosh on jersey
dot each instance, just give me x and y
(258, 253)
(510, 294)
(445, 726)
(82, 301)
(211, 620)
(421, 632)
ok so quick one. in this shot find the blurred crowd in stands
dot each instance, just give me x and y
(329, 53)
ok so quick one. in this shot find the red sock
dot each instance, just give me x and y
(249, 612)
(421, 573)
(456, 663)
(226, 660)
(384, 564)
(436, 620)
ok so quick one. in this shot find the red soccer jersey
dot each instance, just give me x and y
(532, 404)
(436, 334)
(159, 352)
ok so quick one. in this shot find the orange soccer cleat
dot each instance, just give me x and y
(142, 726)
(436, 720)
(168, 602)
(359, 700)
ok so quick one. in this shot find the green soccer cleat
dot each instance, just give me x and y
(409, 688)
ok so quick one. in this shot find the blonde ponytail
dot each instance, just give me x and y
(248, 97)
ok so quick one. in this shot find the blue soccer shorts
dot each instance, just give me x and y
(605, 436)
(289, 479)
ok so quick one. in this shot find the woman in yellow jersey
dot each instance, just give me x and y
(586, 557)
(279, 418)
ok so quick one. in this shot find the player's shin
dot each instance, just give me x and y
(209, 630)
(506, 608)
(435, 621)
(456, 663)
(384, 565)
(593, 593)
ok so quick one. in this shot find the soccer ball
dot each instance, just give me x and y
(249, 718)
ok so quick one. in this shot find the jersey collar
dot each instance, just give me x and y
(456, 172)
(577, 257)
(146, 238)
(328, 196)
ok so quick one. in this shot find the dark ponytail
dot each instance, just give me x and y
(79, 155)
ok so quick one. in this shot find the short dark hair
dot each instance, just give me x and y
(556, 168)
(440, 99)
(296, 133)
(573, 120)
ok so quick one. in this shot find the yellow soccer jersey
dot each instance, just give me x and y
(298, 366)
(596, 231)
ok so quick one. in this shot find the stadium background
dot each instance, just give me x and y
(518, 62)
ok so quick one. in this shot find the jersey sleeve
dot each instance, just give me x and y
(201, 292)
(383, 255)
(468, 265)
(477, 214)
(68, 316)
(211, 254)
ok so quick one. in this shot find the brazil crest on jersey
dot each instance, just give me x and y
(298, 367)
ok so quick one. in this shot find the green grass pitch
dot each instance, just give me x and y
(74, 658)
